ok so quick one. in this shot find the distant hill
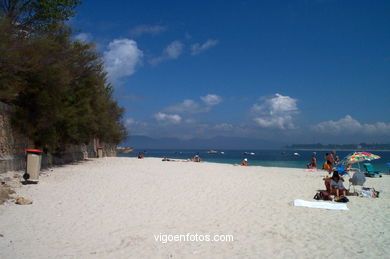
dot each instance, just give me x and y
(144, 142)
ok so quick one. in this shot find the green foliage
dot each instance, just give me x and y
(57, 86)
(37, 14)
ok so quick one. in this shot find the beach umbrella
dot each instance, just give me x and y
(357, 157)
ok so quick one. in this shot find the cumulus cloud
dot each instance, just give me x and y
(191, 107)
(167, 118)
(211, 99)
(121, 58)
(147, 29)
(275, 122)
(276, 112)
(198, 48)
(172, 51)
(349, 125)
(187, 106)
(84, 37)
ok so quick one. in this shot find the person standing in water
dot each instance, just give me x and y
(313, 163)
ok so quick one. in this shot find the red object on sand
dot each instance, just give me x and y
(33, 150)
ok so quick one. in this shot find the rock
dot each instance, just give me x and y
(23, 201)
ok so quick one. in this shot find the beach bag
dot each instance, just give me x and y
(317, 196)
(342, 199)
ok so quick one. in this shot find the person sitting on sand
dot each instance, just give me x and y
(244, 162)
(196, 158)
(166, 159)
(140, 155)
(327, 166)
(336, 184)
(313, 163)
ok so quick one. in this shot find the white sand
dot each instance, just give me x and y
(113, 207)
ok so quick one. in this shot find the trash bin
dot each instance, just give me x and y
(33, 163)
(100, 151)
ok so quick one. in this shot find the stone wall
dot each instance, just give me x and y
(13, 144)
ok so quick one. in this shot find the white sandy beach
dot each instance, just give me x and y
(113, 207)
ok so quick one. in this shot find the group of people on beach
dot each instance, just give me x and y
(334, 183)
(331, 159)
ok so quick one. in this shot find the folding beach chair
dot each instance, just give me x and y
(370, 170)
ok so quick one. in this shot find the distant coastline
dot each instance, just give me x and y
(338, 149)
(341, 147)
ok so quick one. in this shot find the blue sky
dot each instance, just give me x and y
(288, 71)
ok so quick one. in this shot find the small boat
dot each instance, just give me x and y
(296, 154)
(124, 150)
(212, 152)
(249, 153)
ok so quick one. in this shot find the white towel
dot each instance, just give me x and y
(321, 205)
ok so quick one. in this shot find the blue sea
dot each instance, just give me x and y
(274, 158)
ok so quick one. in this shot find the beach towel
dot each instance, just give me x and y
(320, 205)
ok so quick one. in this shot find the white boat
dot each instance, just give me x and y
(296, 154)
(124, 150)
(212, 152)
(249, 153)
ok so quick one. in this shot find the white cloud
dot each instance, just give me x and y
(147, 29)
(211, 99)
(276, 112)
(129, 121)
(191, 107)
(167, 118)
(121, 58)
(172, 51)
(187, 106)
(198, 48)
(256, 108)
(349, 125)
(84, 37)
(275, 122)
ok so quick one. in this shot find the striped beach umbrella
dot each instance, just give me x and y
(356, 157)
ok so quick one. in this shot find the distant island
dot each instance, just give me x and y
(361, 146)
